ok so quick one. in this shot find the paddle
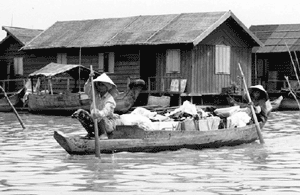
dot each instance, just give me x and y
(252, 109)
(21, 122)
(97, 145)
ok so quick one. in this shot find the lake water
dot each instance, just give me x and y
(32, 162)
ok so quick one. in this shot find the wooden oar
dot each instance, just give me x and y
(252, 109)
(97, 145)
(16, 113)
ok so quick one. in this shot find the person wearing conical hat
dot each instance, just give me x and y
(261, 102)
(105, 105)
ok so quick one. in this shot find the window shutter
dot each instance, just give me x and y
(15, 66)
(61, 58)
(64, 58)
(101, 62)
(111, 62)
(222, 59)
(18, 66)
(173, 61)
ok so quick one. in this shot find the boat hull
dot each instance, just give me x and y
(68, 103)
(15, 100)
(289, 104)
(276, 103)
(59, 104)
(155, 141)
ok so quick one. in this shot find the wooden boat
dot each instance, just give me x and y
(134, 139)
(125, 100)
(66, 102)
(274, 103)
(15, 99)
(289, 104)
(62, 100)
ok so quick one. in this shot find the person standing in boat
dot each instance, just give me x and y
(261, 102)
(105, 105)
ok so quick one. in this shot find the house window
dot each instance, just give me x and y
(173, 61)
(106, 62)
(62, 58)
(222, 59)
(18, 66)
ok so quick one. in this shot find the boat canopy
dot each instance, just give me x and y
(55, 69)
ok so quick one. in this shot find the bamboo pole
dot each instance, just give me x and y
(298, 65)
(97, 145)
(290, 88)
(293, 63)
(297, 60)
(16, 113)
(291, 91)
(79, 62)
(252, 109)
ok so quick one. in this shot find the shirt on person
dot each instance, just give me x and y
(105, 104)
(264, 109)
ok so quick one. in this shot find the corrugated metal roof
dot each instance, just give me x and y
(137, 30)
(23, 35)
(276, 37)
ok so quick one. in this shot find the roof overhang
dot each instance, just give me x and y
(221, 21)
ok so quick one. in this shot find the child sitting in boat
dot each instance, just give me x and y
(261, 102)
(105, 105)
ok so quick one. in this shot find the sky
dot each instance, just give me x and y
(41, 14)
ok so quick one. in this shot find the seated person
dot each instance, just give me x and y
(105, 105)
(261, 102)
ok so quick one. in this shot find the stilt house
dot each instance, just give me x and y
(188, 54)
(274, 61)
(11, 58)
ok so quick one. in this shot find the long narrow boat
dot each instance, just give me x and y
(289, 104)
(134, 139)
(15, 99)
(57, 97)
(274, 103)
(63, 101)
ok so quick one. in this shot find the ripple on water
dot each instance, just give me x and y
(32, 162)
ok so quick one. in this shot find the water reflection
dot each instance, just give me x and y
(33, 163)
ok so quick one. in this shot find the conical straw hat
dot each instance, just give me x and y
(260, 88)
(106, 81)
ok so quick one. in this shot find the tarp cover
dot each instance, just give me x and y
(54, 69)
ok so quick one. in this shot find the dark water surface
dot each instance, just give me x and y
(32, 162)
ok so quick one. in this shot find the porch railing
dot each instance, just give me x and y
(12, 85)
(277, 85)
(166, 84)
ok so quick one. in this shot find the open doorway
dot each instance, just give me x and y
(147, 64)
(147, 70)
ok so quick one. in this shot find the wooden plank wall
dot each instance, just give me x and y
(205, 81)
(35, 62)
(127, 65)
(59, 85)
(202, 74)
(185, 67)
(9, 49)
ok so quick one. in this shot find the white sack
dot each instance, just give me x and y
(238, 119)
